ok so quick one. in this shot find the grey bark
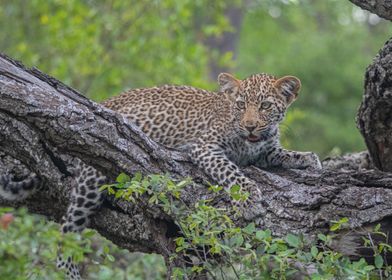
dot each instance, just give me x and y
(374, 117)
(382, 8)
(44, 124)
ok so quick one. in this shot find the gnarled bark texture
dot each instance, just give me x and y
(374, 118)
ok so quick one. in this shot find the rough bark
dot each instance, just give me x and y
(382, 8)
(44, 124)
(374, 117)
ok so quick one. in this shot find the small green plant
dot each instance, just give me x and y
(211, 243)
(29, 246)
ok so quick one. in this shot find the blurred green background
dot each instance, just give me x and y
(104, 47)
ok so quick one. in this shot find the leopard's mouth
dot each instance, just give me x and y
(253, 138)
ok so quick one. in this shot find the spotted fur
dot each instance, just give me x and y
(85, 198)
(222, 131)
(11, 189)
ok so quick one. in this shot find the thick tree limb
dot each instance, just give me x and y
(41, 117)
(382, 8)
(374, 118)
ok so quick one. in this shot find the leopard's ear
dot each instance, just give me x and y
(289, 87)
(228, 83)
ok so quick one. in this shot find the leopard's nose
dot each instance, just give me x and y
(250, 128)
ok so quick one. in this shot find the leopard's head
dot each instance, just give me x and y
(259, 102)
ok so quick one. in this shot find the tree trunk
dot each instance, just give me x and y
(374, 117)
(44, 124)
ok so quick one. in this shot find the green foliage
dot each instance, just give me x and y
(29, 248)
(209, 237)
(102, 47)
(219, 248)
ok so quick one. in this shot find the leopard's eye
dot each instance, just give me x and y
(265, 105)
(241, 104)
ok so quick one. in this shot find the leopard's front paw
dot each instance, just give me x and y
(312, 161)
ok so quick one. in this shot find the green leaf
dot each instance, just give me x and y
(137, 177)
(335, 227)
(178, 273)
(216, 249)
(104, 187)
(378, 261)
(88, 233)
(180, 241)
(122, 178)
(215, 188)
(110, 258)
(322, 237)
(196, 268)
(369, 268)
(111, 191)
(235, 189)
(239, 239)
(293, 240)
(314, 251)
(183, 183)
(260, 234)
(249, 229)
(343, 220)
(179, 248)
(119, 194)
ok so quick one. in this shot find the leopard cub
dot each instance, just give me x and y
(222, 131)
